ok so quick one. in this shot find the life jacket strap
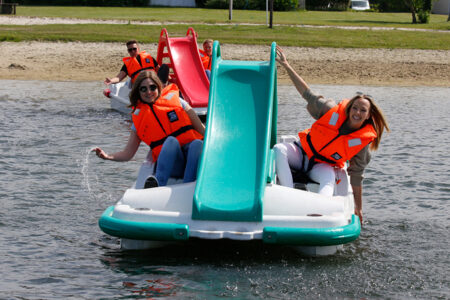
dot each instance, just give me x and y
(301, 176)
(312, 160)
(174, 134)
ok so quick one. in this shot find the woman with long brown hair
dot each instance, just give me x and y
(342, 132)
(168, 125)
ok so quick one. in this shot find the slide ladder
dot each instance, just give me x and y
(237, 156)
(182, 56)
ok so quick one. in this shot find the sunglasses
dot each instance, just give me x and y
(144, 89)
(362, 95)
(132, 49)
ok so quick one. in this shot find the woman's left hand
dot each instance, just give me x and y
(281, 58)
(359, 213)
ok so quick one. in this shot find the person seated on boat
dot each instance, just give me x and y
(341, 132)
(163, 75)
(168, 125)
(205, 55)
(133, 64)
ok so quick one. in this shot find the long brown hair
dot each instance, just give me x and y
(135, 95)
(377, 118)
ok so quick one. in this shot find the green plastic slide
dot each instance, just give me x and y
(240, 133)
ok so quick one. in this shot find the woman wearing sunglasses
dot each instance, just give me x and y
(342, 132)
(168, 125)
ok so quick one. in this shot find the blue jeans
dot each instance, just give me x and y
(176, 161)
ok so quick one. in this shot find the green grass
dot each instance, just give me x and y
(213, 16)
(259, 35)
(233, 33)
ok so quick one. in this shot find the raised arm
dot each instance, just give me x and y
(298, 81)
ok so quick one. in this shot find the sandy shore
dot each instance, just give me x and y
(95, 61)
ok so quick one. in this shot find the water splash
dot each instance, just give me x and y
(90, 181)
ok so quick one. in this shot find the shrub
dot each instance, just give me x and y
(389, 5)
(423, 16)
(278, 5)
(327, 5)
(200, 3)
(284, 5)
(84, 2)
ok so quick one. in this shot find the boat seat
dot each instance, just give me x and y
(301, 179)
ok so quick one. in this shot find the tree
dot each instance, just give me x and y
(412, 8)
(419, 8)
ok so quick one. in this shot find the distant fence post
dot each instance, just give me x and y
(230, 14)
(271, 12)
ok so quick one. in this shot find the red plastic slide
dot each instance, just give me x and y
(182, 56)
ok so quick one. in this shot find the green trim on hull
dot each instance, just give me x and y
(142, 230)
(313, 236)
(272, 235)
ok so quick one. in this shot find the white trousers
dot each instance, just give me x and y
(289, 156)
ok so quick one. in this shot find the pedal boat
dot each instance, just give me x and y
(313, 224)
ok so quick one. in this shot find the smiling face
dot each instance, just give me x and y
(359, 112)
(148, 91)
(207, 47)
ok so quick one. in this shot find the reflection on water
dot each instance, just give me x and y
(53, 191)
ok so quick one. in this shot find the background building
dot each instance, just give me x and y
(441, 7)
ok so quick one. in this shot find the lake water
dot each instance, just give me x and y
(53, 191)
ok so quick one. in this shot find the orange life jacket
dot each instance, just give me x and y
(206, 60)
(323, 143)
(133, 66)
(155, 122)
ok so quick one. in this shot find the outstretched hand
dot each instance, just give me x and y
(107, 81)
(100, 153)
(281, 57)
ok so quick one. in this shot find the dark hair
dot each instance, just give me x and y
(131, 42)
(135, 95)
(377, 118)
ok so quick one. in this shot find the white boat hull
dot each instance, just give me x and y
(313, 223)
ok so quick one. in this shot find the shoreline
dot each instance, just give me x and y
(76, 61)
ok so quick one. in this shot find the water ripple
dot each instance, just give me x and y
(54, 190)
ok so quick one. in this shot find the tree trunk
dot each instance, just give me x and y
(448, 19)
(410, 4)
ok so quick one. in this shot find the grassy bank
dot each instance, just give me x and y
(242, 34)
(204, 22)
(213, 16)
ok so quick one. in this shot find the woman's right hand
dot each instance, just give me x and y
(100, 153)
